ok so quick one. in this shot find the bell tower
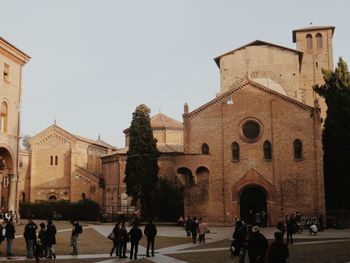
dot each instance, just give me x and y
(316, 43)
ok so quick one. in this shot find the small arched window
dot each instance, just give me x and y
(56, 160)
(205, 149)
(267, 150)
(235, 151)
(3, 117)
(298, 149)
(51, 160)
(308, 41)
(319, 43)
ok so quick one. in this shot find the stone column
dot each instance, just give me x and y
(12, 192)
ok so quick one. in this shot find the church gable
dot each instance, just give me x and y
(53, 136)
(228, 97)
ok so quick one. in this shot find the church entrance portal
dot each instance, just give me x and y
(253, 206)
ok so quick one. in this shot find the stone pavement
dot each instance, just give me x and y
(216, 234)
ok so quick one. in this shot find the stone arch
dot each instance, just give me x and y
(253, 179)
(52, 197)
(276, 83)
(185, 176)
(8, 158)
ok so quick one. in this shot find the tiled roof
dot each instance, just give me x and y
(162, 121)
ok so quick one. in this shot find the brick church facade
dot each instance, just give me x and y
(256, 146)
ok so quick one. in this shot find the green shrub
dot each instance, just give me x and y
(84, 210)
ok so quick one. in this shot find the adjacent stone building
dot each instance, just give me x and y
(169, 135)
(12, 61)
(254, 149)
(63, 166)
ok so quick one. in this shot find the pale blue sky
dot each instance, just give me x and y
(93, 62)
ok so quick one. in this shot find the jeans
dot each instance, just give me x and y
(74, 244)
(136, 246)
(30, 248)
(150, 243)
(9, 246)
(51, 250)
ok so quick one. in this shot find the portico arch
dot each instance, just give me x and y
(253, 180)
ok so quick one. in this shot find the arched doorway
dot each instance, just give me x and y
(253, 205)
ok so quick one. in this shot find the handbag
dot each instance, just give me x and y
(111, 236)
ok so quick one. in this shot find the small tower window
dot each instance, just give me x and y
(308, 41)
(235, 151)
(298, 149)
(205, 149)
(56, 160)
(6, 73)
(51, 160)
(319, 41)
(3, 117)
(267, 150)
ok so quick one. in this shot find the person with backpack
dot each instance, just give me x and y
(76, 231)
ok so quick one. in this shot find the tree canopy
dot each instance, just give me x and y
(141, 173)
(336, 134)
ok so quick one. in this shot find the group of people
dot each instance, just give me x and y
(196, 227)
(38, 245)
(247, 239)
(120, 237)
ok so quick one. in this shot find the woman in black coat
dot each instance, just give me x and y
(51, 238)
(115, 240)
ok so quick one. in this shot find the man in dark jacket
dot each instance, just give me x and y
(278, 251)
(10, 236)
(239, 236)
(194, 229)
(51, 238)
(150, 232)
(30, 237)
(123, 239)
(115, 240)
(135, 235)
(76, 230)
(290, 225)
(257, 246)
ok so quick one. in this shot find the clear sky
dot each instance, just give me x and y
(93, 62)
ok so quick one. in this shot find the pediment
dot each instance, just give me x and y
(53, 135)
(252, 178)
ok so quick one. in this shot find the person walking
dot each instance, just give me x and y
(188, 226)
(257, 246)
(2, 237)
(239, 236)
(194, 229)
(30, 237)
(76, 230)
(122, 241)
(51, 239)
(135, 234)
(115, 240)
(278, 251)
(10, 236)
(202, 230)
(290, 226)
(150, 232)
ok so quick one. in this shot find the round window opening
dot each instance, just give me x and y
(251, 130)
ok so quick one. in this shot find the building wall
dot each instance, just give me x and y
(295, 185)
(10, 93)
(263, 61)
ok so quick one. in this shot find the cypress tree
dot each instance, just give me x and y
(336, 134)
(141, 173)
